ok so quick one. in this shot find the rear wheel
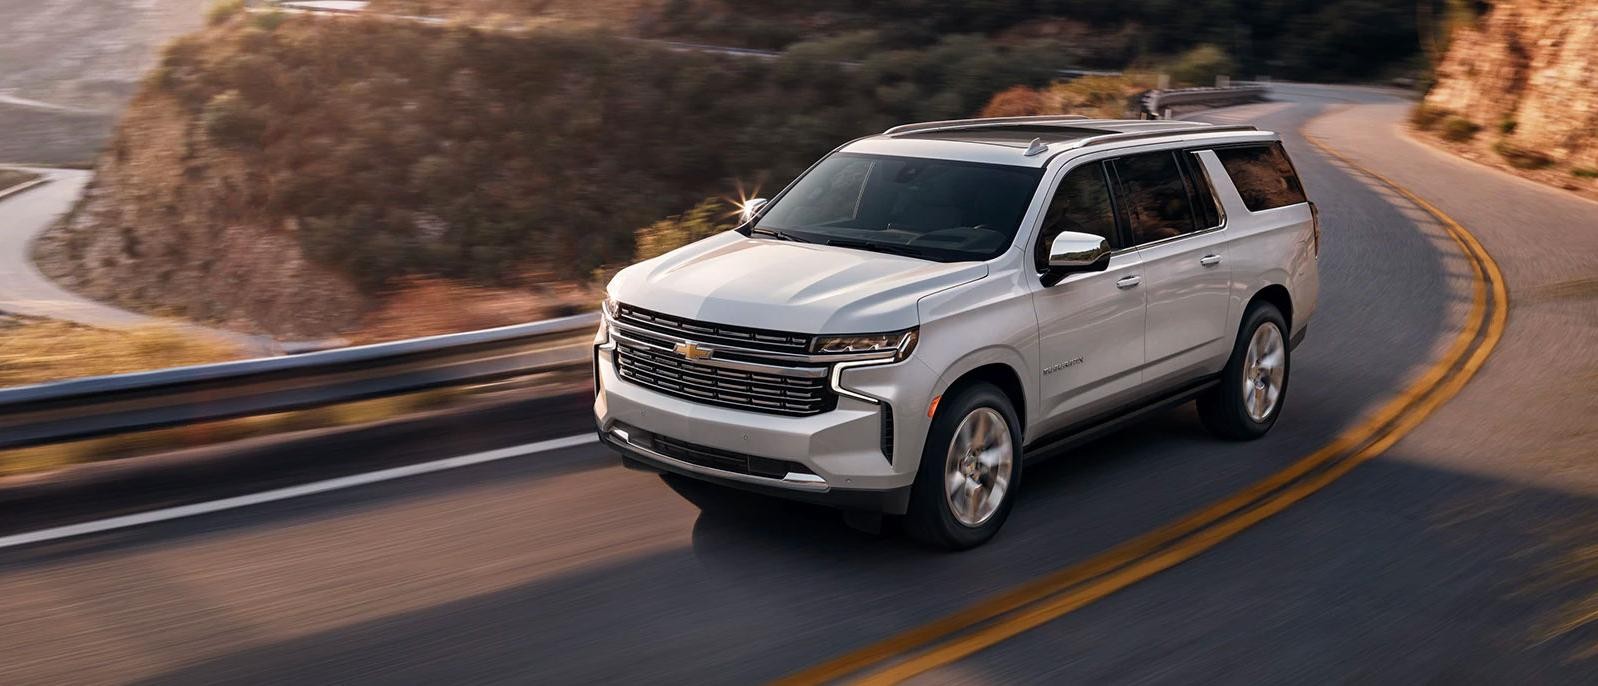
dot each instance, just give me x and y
(970, 469)
(1246, 402)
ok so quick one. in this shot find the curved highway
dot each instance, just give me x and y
(1445, 558)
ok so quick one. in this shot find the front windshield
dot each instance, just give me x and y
(937, 209)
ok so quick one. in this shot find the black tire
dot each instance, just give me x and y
(930, 518)
(1224, 409)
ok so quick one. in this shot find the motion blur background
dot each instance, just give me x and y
(190, 181)
(311, 177)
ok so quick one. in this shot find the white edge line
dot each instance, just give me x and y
(288, 492)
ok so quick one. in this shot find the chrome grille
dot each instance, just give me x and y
(705, 332)
(775, 393)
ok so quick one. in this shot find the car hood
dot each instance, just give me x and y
(788, 286)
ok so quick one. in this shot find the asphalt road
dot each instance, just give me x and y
(1443, 560)
(27, 291)
(23, 289)
(68, 66)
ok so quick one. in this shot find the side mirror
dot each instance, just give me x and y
(1072, 252)
(751, 209)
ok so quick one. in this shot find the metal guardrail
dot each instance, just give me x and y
(96, 406)
(1155, 102)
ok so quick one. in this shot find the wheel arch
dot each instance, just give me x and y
(1277, 295)
(1002, 375)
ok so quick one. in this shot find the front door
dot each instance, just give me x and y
(1090, 325)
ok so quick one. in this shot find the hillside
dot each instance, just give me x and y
(1522, 76)
(288, 174)
(1323, 40)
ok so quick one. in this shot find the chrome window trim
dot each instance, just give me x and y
(1166, 241)
(1220, 211)
(1215, 198)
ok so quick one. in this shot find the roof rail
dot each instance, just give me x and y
(1164, 133)
(949, 124)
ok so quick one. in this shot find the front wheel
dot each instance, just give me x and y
(970, 469)
(1252, 388)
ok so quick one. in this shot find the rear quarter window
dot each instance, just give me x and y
(1263, 176)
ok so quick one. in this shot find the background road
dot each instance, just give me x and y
(68, 66)
(25, 290)
(1431, 563)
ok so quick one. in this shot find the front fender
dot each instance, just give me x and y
(990, 321)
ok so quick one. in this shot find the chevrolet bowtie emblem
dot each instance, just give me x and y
(692, 351)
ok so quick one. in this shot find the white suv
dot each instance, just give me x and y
(923, 310)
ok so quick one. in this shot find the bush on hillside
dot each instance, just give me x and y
(1521, 158)
(1298, 39)
(231, 121)
(1426, 117)
(1093, 96)
(1459, 129)
(706, 219)
(223, 10)
(395, 149)
(1200, 66)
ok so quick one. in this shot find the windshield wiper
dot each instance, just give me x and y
(773, 233)
(890, 248)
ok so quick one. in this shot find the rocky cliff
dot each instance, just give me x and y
(1526, 70)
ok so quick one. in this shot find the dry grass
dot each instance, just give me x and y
(608, 10)
(1094, 96)
(37, 351)
(1427, 124)
(429, 306)
(15, 177)
(48, 457)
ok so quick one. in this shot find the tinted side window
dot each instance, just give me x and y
(1156, 196)
(1263, 176)
(1081, 203)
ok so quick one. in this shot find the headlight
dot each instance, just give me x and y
(609, 306)
(900, 343)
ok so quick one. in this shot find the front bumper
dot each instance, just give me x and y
(889, 501)
(841, 452)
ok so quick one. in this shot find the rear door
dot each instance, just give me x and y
(1090, 324)
(1178, 233)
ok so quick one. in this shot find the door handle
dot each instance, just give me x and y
(1210, 260)
(1128, 282)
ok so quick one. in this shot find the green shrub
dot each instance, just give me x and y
(230, 121)
(708, 218)
(1426, 117)
(223, 10)
(1521, 158)
(269, 21)
(1200, 66)
(1585, 172)
(1459, 129)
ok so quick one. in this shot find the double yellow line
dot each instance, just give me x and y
(996, 619)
